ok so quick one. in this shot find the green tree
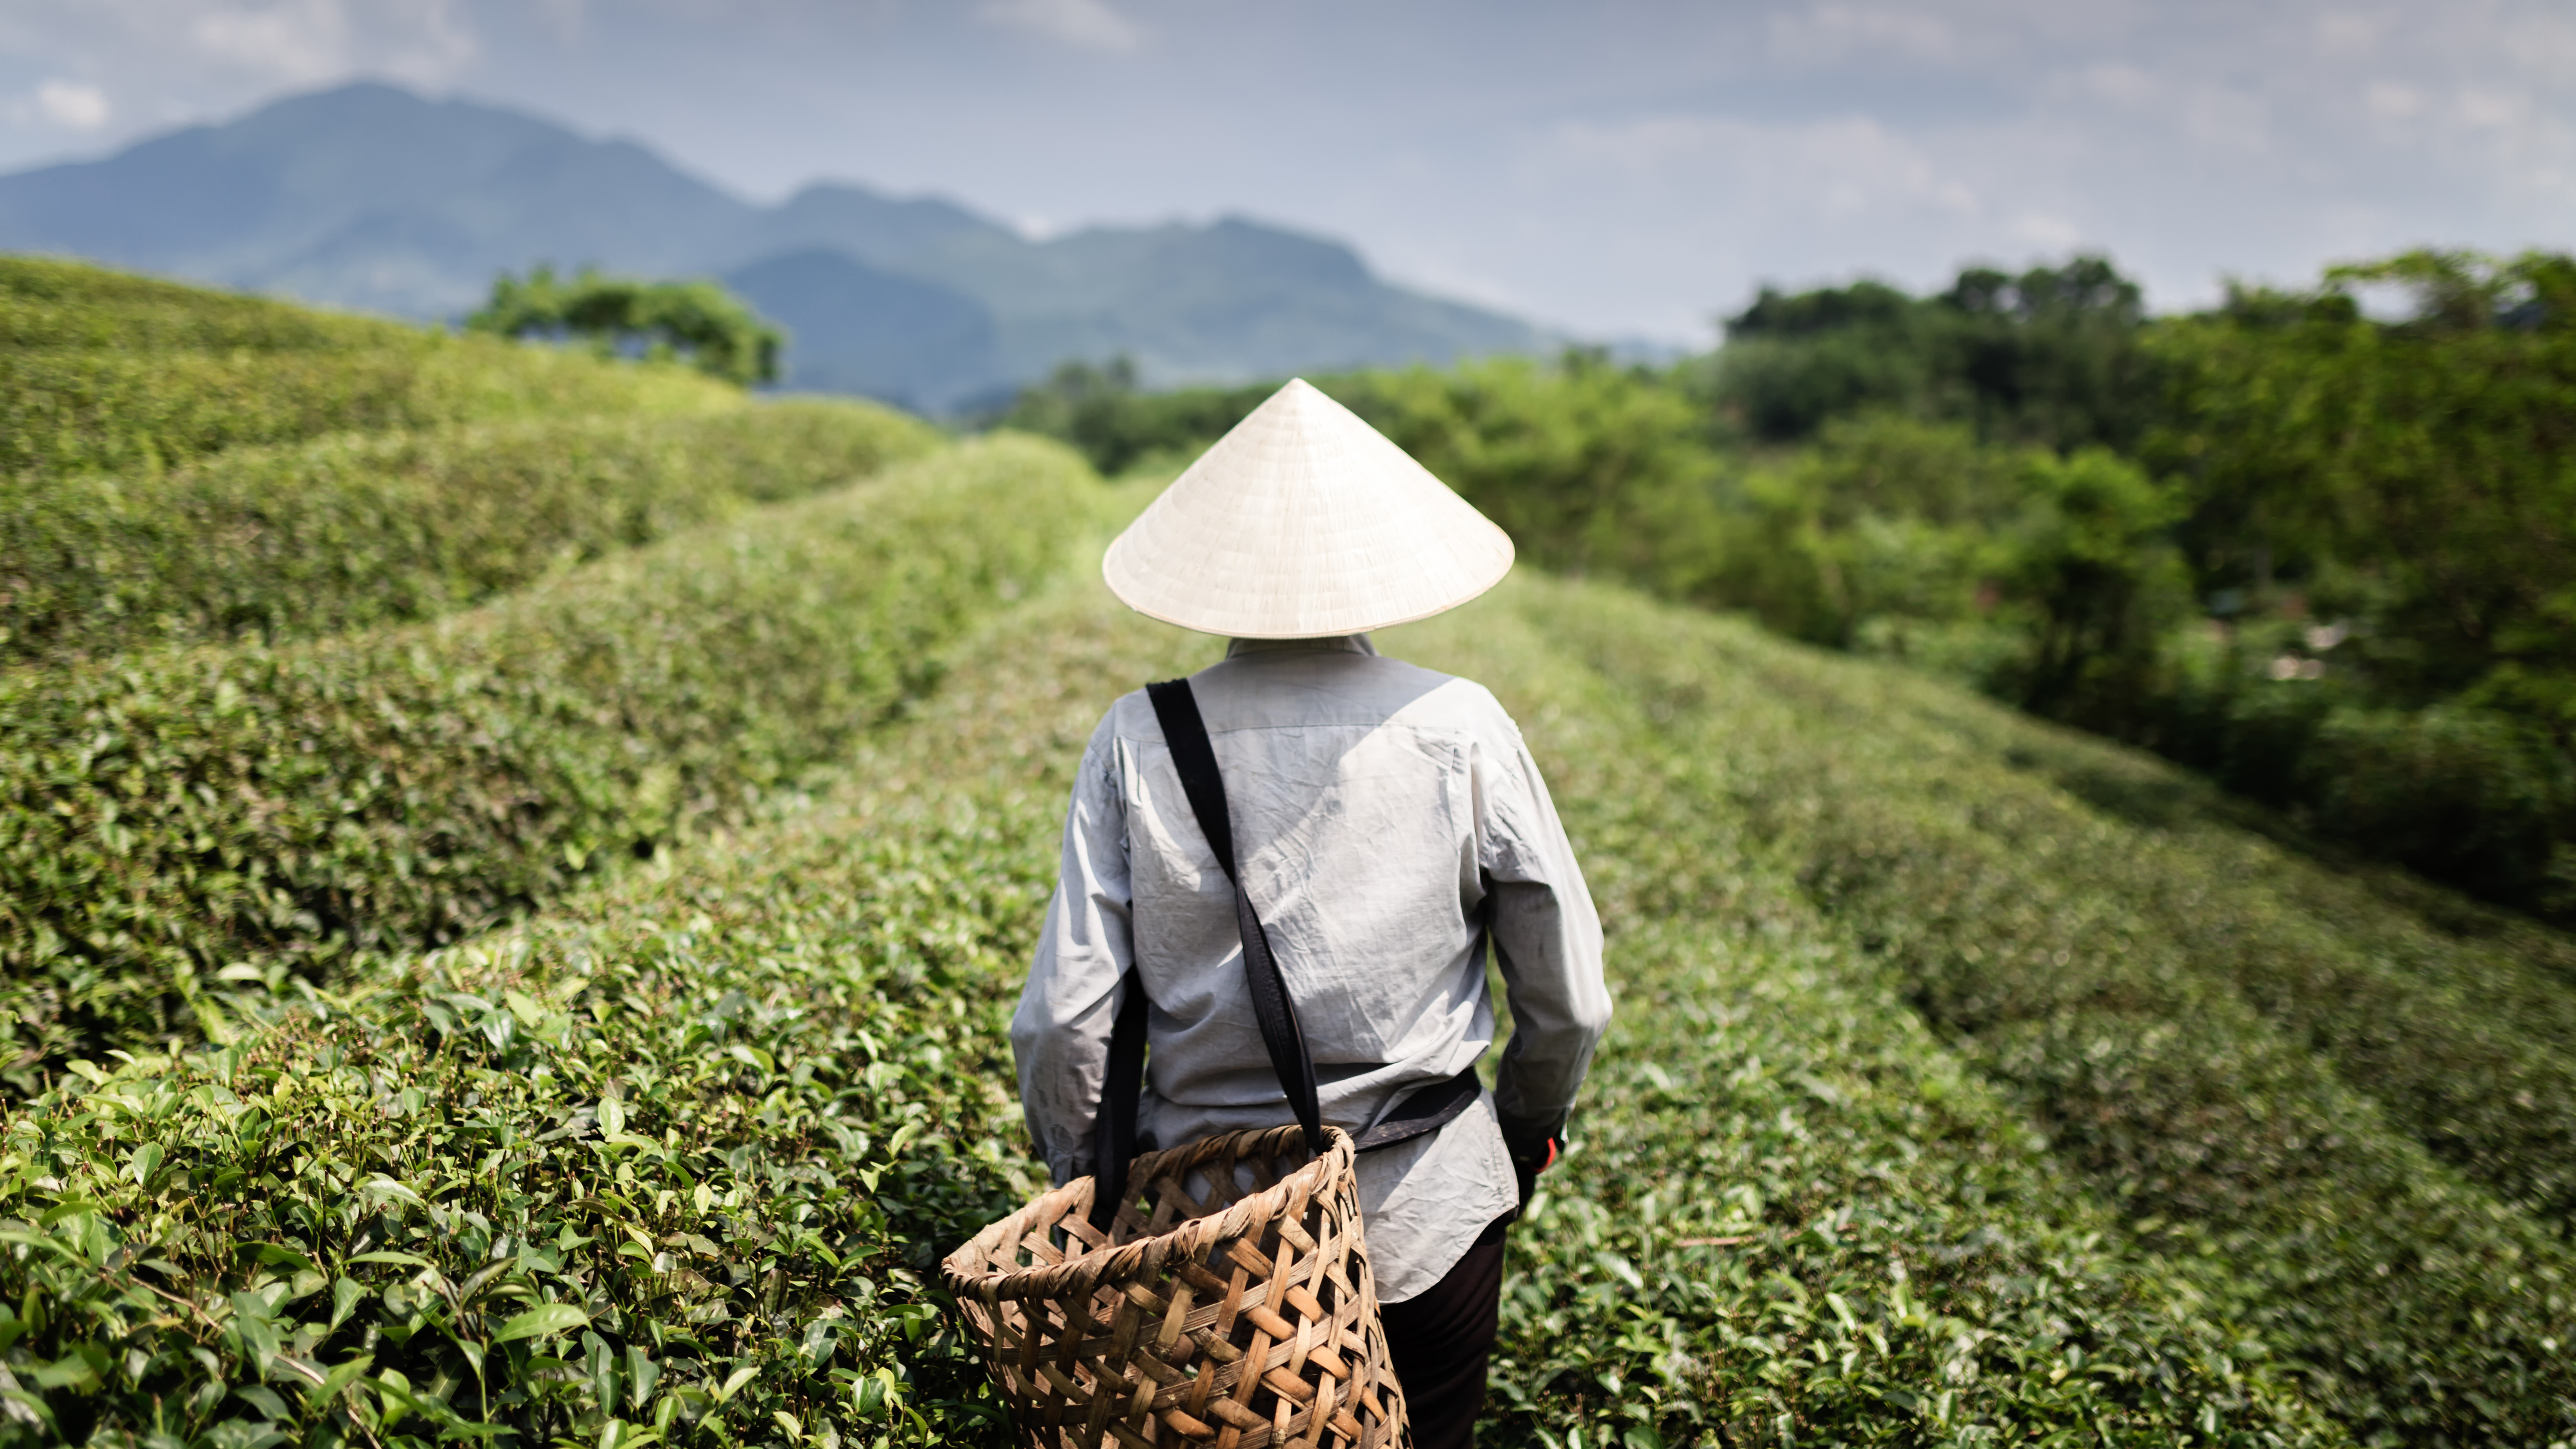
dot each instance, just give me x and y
(2049, 356)
(1100, 409)
(2091, 555)
(1794, 361)
(1886, 521)
(2417, 477)
(697, 321)
(1590, 466)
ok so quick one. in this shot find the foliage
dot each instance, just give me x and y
(1591, 467)
(1790, 1215)
(1973, 1081)
(189, 819)
(360, 530)
(2350, 1110)
(63, 306)
(2051, 356)
(802, 1029)
(1099, 410)
(1794, 361)
(2089, 555)
(2378, 503)
(2411, 477)
(2368, 510)
(1890, 530)
(699, 322)
(102, 372)
(660, 1164)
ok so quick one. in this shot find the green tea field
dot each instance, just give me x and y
(514, 870)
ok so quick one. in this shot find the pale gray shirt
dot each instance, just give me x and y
(1388, 820)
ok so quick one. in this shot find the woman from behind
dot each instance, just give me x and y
(1387, 824)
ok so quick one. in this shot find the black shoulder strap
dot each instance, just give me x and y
(1113, 1135)
(1114, 1138)
(1178, 710)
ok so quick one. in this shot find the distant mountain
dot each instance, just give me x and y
(876, 333)
(878, 230)
(371, 197)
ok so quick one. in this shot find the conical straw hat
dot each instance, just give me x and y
(1302, 522)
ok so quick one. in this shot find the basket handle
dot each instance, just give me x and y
(1115, 1138)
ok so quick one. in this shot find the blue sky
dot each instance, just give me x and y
(1615, 167)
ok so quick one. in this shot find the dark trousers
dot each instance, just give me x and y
(1439, 1340)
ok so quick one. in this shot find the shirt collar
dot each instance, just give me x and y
(1345, 643)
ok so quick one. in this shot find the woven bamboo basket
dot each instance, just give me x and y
(1231, 1306)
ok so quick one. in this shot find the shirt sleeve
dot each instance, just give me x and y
(1547, 942)
(1060, 1032)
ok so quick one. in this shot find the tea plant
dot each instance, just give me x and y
(2240, 1075)
(364, 529)
(184, 821)
(735, 1250)
(103, 372)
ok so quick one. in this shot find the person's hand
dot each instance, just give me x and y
(1528, 1163)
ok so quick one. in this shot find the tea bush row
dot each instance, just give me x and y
(357, 530)
(129, 412)
(653, 1167)
(2222, 1060)
(2468, 1049)
(54, 305)
(1791, 1216)
(184, 819)
(106, 372)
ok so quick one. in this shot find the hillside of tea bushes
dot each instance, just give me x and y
(279, 708)
(358, 529)
(105, 372)
(596, 1035)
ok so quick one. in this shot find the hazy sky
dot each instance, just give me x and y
(1617, 166)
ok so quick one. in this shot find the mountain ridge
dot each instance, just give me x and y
(372, 197)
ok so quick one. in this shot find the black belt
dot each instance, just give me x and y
(1428, 1110)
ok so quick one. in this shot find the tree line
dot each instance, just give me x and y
(2314, 548)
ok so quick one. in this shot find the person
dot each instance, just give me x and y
(1388, 821)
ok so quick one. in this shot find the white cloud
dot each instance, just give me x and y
(2344, 33)
(1083, 24)
(301, 41)
(2393, 100)
(1834, 30)
(1625, 164)
(73, 105)
(2490, 108)
(568, 19)
(2228, 120)
(1849, 167)
(2541, 44)
(2047, 232)
(430, 43)
(2120, 84)
(143, 47)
